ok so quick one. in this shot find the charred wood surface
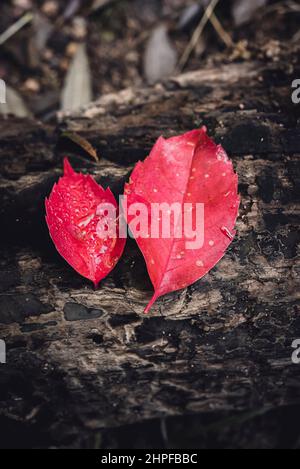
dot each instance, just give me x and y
(81, 361)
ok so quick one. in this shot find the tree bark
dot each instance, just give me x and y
(80, 360)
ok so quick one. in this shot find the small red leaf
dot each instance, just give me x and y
(187, 169)
(73, 214)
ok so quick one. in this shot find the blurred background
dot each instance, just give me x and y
(59, 55)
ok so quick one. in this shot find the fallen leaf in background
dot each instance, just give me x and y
(244, 10)
(189, 15)
(148, 12)
(160, 56)
(23, 4)
(77, 91)
(82, 143)
(72, 215)
(42, 30)
(14, 105)
(71, 9)
(192, 169)
(97, 4)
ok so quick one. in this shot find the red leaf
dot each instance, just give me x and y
(72, 215)
(185, 169)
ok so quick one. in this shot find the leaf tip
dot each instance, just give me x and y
(68, 170)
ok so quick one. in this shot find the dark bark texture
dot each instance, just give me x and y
(87, 368)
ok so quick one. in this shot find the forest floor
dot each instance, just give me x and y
(125, 41)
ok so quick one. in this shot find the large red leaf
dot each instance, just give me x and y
(192, 169)
(73, 214)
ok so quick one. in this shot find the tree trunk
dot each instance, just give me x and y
(80, 361)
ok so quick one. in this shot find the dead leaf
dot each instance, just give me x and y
(160, 56)
(97, 4)
(77, 91)
(189, 15)
(82, 143)
(244, 10)
(14, 105)
(42, 31)
(71, 9)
